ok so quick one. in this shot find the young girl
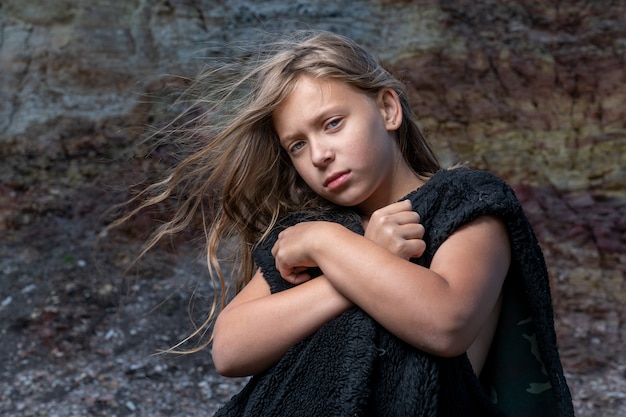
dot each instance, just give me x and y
(372, 282)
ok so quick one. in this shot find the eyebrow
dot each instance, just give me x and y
(283, 140)
(323, 115)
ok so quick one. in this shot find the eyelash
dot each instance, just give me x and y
(292, 148)
(295, 147)
(335, 121)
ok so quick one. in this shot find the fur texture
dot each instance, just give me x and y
(352, 366)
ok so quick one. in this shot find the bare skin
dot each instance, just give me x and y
(445, 310)
(335, 137)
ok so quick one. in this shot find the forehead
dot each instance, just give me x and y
(307, 87)
(311, 96)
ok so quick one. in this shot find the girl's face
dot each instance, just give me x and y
(342, 143)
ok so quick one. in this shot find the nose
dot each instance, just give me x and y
(321, 153)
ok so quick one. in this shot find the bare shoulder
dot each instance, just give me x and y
(486, 235)
(476, 257)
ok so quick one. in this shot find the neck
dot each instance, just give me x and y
(411, 182)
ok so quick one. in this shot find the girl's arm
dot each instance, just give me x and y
(440, 310)
(257, 328)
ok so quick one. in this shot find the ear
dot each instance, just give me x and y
(390, 108)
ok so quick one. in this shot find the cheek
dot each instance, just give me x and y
(305, 174)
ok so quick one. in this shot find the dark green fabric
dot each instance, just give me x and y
(514, 375)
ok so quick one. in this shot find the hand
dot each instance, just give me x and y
(397, 228)
(293, 251)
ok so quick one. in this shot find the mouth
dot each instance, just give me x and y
(337, 179)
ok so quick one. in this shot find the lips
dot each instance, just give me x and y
(336, 179)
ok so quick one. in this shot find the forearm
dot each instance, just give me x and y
(251, 336)
(407, 299)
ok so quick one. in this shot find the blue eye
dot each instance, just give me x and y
(333, 123)
(296, 146)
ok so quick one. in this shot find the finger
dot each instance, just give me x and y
(418, 248)
(406, 217)
(297, 278)
(413, 231)
(289, 273)
(409, 231)
(408, 248)
(393, 208)
(404, 205)
(300, 278)
(393, 220)
(407, 204)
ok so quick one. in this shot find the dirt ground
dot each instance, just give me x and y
(79, 333)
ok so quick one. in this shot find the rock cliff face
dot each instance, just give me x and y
(537, 94)
(531, 91)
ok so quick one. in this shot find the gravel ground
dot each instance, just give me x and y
(80, 338)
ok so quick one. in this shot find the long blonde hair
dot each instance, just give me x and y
(239, 180)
